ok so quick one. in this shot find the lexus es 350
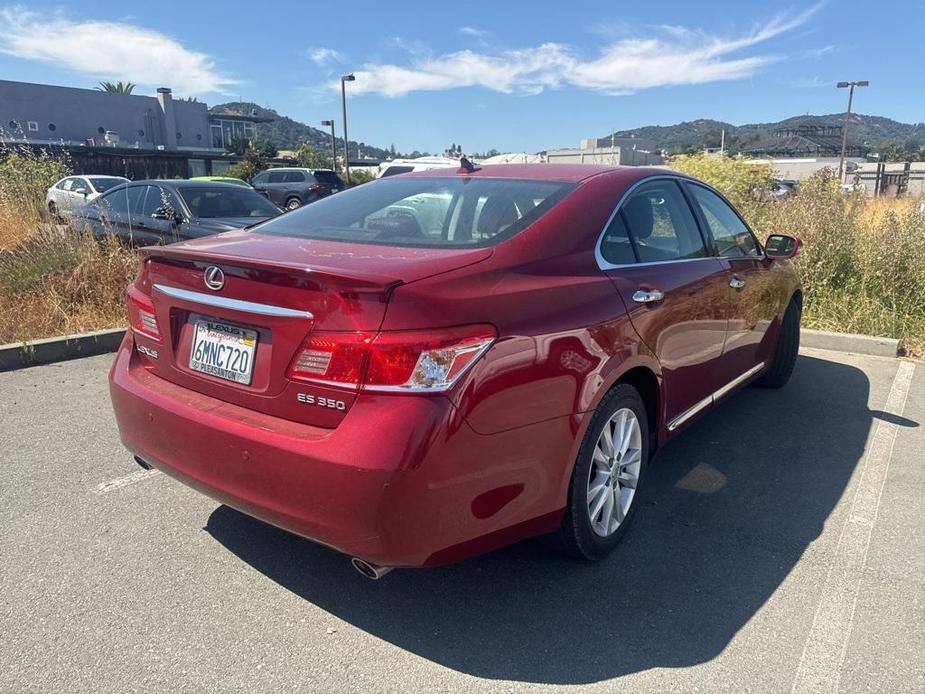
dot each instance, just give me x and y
(430, 366)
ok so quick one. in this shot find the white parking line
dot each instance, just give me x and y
(824, 652)
(120, 482)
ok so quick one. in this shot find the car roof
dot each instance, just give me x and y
(185, 182)
(547, 172)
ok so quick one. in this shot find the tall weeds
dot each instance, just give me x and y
(54, 280)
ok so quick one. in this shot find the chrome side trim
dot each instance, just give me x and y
(738, 381)
(232, 304)
(690, 412)
(712, 398)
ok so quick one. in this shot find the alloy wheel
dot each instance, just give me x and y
(614, 472)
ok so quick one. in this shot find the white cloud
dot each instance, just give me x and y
(670, 55)
(109, 50)
(324, 56)
(472, 31)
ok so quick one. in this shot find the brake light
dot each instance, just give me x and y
(141, 316)
(316, 187)
(400, 361)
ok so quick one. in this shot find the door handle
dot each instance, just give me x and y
(736, 282)
(647, 296)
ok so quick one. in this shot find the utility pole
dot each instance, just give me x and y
(333, 143)
(343, 100)
(844, 130)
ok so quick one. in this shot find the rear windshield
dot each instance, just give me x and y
(328, 177)
(439, 212)
(104, 183)
(225, 200)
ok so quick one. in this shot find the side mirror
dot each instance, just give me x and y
(781, 247)
(166, 214)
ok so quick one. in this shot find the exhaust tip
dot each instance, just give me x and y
(370, 571)
(144, 464)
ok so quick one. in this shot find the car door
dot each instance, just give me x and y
(752, 292)
(109, 214)
(276, 187)
(259, 182)
(673, 289)
(76, 194)
(154, 216)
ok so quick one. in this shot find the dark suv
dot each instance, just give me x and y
(291, 188)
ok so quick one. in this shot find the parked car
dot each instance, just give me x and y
(429, 366)
(291, 188)
(222, 179)
(402, 166)
(155, 212)
(75, 191)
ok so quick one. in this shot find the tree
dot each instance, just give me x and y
(253, 161)
(119, 87)
(313, 158)
(891, 150)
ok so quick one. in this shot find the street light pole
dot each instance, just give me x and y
(333, 143)
(343, 101)
(844, 130)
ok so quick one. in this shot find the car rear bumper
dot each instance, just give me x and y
(402, 480)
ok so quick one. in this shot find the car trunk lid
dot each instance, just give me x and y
(268, 294)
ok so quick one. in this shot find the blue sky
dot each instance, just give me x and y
(514, 76)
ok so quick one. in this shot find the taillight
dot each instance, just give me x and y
(401, 361)
(141, 316)
(316, 187)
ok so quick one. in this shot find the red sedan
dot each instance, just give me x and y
(429, 366)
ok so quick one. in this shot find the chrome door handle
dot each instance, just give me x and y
(736, 282)
(647, 296)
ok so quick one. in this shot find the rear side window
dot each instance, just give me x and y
(104, 183)
(733, 239)
(294, 177)
(659, 225)
(438, 212)
(277, 177)
(123, 199)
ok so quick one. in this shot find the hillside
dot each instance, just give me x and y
(286, 133)
(690, 135)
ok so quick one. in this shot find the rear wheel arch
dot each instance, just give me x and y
(647, 385)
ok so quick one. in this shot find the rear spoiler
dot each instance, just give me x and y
(368, 282)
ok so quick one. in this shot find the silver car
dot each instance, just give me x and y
(74, 191)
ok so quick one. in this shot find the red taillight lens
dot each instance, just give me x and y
(316, 187)
(141, 316)
(402, 361)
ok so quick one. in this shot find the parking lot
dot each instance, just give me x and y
(780, 546)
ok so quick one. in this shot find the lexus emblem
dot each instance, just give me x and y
(214, 278)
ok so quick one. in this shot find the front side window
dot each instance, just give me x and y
(733, 239)
(659, 224)
(436, 212)
(122, 200)
(226, 201)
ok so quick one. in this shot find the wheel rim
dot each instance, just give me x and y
(614, 474)
(294, 204)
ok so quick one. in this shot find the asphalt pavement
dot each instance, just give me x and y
(779, 547)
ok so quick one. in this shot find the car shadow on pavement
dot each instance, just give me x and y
(727, 511)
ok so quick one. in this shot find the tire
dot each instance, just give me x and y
(785, 352)
(293, 204)
(53, 211)
(585, 534)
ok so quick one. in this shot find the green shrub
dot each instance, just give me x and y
(863, 260)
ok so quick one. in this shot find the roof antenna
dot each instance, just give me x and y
(466, 166)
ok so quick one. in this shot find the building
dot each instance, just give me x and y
(616, 151)
(123, 134)
(804, 141)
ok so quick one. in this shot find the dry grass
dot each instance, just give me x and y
(53, 280)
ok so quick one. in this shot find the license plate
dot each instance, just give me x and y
(222, 350)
